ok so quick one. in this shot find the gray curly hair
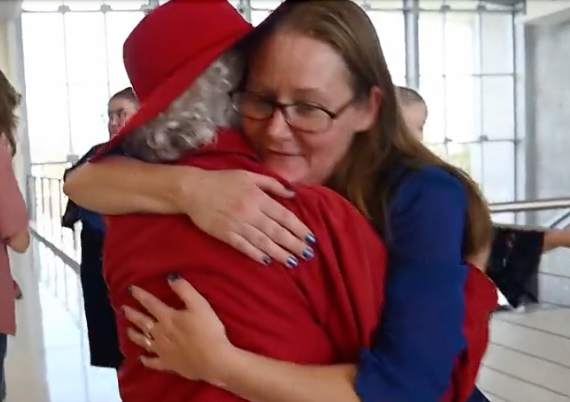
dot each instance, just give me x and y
(191, 121)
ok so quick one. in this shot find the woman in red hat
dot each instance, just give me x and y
(319, 61)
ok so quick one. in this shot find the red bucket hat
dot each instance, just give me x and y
(171, 47)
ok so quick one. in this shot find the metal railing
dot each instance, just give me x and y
(528, 206)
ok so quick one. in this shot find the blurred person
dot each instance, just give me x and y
(311, 55)
(516, 251)
(101, 326)
(14, 232)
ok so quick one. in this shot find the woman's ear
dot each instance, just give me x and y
(369, 110)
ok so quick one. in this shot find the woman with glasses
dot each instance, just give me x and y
(319, 106)
(101, 326)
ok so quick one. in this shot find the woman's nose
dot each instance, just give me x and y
(277, 126)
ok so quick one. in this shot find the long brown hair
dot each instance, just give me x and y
(9, 101)
(363, 176)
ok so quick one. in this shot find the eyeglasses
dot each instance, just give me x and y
(302, 116)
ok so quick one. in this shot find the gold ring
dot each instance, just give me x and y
(148, 343)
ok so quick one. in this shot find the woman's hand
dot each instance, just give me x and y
(234, 207)
(190, 342)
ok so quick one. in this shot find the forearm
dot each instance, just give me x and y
(122, 185)
(555, 238)
(261, 379)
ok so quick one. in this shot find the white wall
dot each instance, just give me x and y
(547, 11)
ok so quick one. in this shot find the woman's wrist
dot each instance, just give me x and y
(181, 182)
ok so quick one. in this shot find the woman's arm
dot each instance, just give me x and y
(232, 206)
(122, 185)
(555, 238)
(192, 342)
(260, 379)
(422, 332)
(19, 242)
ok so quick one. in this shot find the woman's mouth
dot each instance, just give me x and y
(281, 154)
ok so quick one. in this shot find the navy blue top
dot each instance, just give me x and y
(421, 333)
(87, 217)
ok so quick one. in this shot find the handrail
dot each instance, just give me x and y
(560, 221)
(526, 206)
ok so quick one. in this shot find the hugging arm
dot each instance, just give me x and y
(230, 205)
(421, 335)
(122, 185)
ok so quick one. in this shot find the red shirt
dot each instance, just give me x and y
(322, 312)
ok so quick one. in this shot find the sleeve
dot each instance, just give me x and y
(420, 336)
(13, 214)
(514, 261)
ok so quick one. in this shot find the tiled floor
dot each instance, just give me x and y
(48, 359)
(528, 360)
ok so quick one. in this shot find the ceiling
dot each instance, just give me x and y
(9, 9)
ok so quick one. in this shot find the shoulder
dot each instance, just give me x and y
(432, 185)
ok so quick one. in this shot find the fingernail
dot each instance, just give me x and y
(266, 260)
(122, 310)
(310, 238)
(173, 277)
(130, 289)
(308, 253)
(292, 262)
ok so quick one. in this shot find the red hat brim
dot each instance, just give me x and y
(180, 80)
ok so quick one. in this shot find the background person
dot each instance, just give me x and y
(101, 325)
(14, 232)
(516, 251)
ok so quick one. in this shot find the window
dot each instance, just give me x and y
(467, 79)
(70, 75)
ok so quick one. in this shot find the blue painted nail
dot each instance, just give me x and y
(173, 277)
(266, 260)
(292, 262)
(308, 253)
(310, 238)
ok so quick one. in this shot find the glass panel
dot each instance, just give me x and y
(257, 16)
(82, 5)
(127, 4)
(88, 106)
(438, 149)
(41, 5)
(86, 53)
(381, 4)
(467, 157)
(460, 43)
(498, 171)
(48, 122)
(119, 26)
(431, 44)
(391, 30)
(448, 4)
(497, 46)
(44, 48)
(498, 107)
(433, 92)
(463, 108)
